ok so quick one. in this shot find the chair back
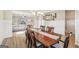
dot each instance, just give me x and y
(27, 34)
(33, 38)
(29, 26)
(66, 43)
(42, 28)
(28, 39)
(50, 29)
(67, 40)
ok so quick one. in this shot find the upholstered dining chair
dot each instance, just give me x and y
(49, 29)
(42, 28)
(62, 44)
(35, 42)
(28, 38)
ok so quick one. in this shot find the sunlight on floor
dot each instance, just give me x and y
(21, 32)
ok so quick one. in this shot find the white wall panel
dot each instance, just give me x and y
(5, 25)
(77, 26)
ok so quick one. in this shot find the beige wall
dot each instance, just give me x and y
(1, 15)
(70, 21)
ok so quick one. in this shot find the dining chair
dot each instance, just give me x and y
(28, 38)
(42, 28)
(29, 26)
(49, 29)
(26, 35)
(62, 44)
(35, 42)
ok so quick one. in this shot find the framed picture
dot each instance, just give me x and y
(49, 17)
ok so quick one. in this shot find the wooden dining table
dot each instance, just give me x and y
(45, 38)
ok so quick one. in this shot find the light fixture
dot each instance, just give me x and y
(40, 13)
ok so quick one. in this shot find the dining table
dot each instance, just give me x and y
(45, 38)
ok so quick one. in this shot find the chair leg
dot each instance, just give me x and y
(35, 44)
(28, 43)
(26, 40)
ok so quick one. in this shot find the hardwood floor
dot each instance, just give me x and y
(71, 42)
(19, 41)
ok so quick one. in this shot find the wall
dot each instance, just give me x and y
(70, 21)
(77, 27)
(38, 20)
(58, 23)
(5, 25)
